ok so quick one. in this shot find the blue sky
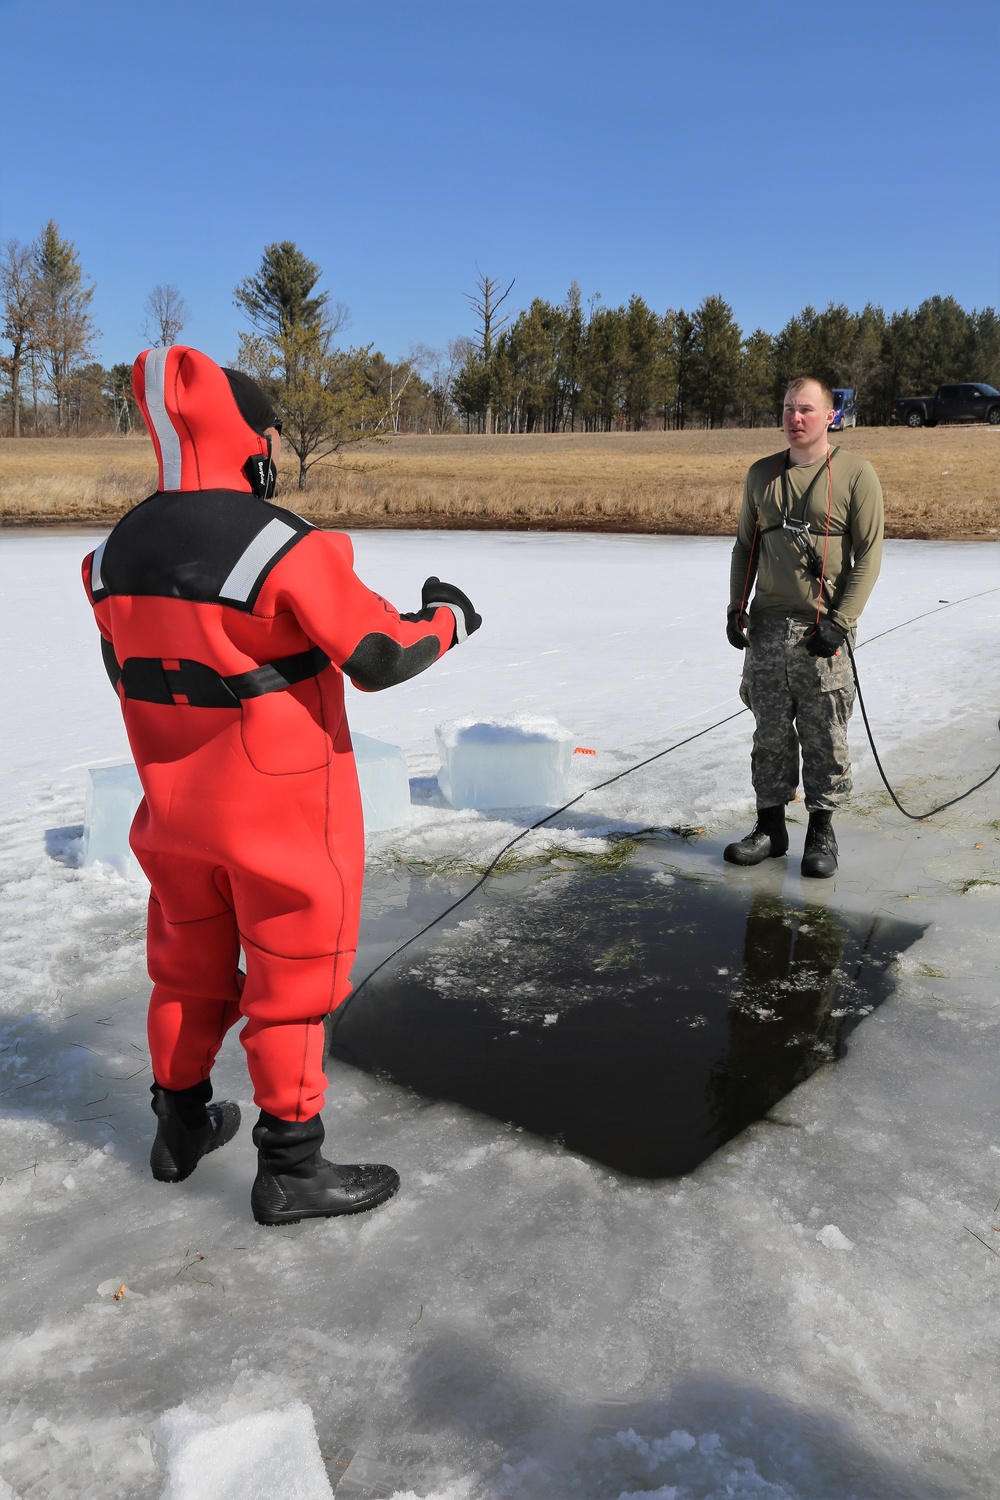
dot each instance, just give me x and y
(777, 154)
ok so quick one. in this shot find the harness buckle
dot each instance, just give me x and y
(802, 538)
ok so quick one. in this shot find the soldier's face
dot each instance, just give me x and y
(805, 417)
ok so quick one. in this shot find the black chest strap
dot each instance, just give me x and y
(152, 679)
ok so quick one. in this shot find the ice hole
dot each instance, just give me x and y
(639, 1023)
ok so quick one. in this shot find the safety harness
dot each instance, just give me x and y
(797, 528)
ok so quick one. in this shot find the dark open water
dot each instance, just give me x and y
(636, 1018)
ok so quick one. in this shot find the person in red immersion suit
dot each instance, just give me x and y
(227, 627)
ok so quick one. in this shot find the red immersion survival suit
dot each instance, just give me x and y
(227, 626)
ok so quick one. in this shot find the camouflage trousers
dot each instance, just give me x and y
(801, 703)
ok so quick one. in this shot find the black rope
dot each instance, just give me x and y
(916, 817)
(945, 604)
(338, 1016)
(540, 823)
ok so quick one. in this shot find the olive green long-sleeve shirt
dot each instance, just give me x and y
(774, 569)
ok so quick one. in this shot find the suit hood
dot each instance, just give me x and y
(201, 438)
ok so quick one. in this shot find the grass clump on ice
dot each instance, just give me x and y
(616, 850)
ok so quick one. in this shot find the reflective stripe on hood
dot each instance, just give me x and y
(200, 437)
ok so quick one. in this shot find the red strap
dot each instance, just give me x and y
(826, 539)
(746, 581)
(756, 529)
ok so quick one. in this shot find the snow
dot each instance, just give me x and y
(811, 1315)
(834, 1238)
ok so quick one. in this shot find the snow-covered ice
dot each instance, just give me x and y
(810, 1315)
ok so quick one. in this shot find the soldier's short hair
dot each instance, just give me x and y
(797, 384)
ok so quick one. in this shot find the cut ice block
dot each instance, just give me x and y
(113, 794)
(385, 783)
(256, 1457)
(520, 762)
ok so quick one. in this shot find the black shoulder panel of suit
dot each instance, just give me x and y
(202, 545)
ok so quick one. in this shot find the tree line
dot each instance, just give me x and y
(567, 367)
(51, 384)
(570, 368)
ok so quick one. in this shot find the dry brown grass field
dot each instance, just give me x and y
(941, 483)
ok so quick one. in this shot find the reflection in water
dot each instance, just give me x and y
(785, 1001)
(635, 1018)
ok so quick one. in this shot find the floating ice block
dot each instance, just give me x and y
(504, 762)
(113, 794)
(256, 1457)
(385, 783)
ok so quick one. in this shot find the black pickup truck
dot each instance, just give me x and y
(971, 402)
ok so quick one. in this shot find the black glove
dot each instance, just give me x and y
(736, 624)
(825, 638)
(435, 593)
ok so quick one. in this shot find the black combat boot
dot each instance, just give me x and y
(768, 839)
(819, 857)
(295, 1181)
(188, 1128)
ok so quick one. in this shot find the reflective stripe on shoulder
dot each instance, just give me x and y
(96, 581)
(154, 373)
(265, 545)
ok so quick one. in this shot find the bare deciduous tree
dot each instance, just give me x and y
(19, 312)
(485, 302)
(440, 367)
(166, 315)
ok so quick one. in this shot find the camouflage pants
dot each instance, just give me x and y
(800, 703)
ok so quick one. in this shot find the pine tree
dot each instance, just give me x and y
(64, 328)
(321, 391)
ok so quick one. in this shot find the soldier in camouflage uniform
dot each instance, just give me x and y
(809, 547)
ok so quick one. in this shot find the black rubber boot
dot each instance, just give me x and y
(188, 1128)
(819, 857)
(295, 1181)
(768, 839)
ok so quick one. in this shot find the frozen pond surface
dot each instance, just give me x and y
(810, 1314)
